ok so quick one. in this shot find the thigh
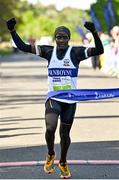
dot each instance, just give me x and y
(52, 111)
(51, 120)
(68, 113)
(52, 106)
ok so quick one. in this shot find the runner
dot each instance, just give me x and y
(63, 64)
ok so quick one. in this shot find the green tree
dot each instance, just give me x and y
(8, 9)
(38, 20)
(72, 17)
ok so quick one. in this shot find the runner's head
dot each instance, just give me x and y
(62, 36)
(62, 29)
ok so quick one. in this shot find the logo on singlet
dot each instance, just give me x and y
(62, 72)
(66, 62)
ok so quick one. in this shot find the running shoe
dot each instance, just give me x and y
(49, 164)
(64, 171)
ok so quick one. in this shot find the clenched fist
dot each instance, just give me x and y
(11, 24)
(90, 26)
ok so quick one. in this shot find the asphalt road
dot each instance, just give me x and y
(95, 132)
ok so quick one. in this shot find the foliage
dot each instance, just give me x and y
(72, 18)
(8, 9)
(116, 7)
(44, 24)
(38, 20)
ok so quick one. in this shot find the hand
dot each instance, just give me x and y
(11, 24)
(90, 26)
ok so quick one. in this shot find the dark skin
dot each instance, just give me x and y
(61, 39)
(62, 42)
(52, 112)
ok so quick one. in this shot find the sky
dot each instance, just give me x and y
(60, 4)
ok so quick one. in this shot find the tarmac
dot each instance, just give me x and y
(94, 135)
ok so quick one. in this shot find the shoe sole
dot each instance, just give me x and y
(65, 177)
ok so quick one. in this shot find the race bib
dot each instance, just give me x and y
(61, 83)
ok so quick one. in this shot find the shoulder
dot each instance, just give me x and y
(43, 49)
(78, 49)
(78, 53)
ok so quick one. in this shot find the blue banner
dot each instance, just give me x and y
(111, 12)
(95, 20)
(84, 94)
(81, 32)
(109, 15)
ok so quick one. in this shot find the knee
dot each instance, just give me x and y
(64, 130)
(50, 130)
(64, 135)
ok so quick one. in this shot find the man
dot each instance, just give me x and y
(63, 62)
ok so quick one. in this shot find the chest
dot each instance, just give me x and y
(64, 62)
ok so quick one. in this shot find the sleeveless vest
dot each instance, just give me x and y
(62, 74)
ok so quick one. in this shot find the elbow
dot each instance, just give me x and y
(95, 51)
(20, 48)
(100, 51)
(24, 48)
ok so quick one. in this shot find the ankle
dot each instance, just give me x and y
(51, 154)
(62, 162)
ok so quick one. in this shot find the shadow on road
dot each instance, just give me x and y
(108, 150)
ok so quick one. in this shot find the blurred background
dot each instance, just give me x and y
(37, 20)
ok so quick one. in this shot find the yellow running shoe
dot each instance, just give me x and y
(64, 171)
(49, 164)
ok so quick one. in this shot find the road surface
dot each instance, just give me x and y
(95, 132)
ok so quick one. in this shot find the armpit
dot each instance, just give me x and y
(33, 49)
(37, 50)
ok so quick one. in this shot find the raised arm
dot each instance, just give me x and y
(98, 49)
(18, 41)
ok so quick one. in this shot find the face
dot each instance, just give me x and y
(62, 40)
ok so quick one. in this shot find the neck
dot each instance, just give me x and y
(62, 48)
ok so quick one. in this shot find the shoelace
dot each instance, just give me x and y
(65, 167)
(49, 159)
